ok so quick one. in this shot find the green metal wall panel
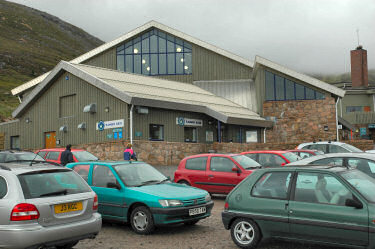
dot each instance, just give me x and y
(107, 59)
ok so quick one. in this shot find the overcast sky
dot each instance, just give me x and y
(312, 36)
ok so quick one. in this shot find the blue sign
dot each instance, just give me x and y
(101, 125)
(371, 126)
(117, 130)
(120, 135)
(115, 135)
(67, 77)
(362, 131)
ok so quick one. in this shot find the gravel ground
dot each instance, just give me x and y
(207, 233)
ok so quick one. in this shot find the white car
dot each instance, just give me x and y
(329, 147)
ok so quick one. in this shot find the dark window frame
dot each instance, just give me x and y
(156, 139)
(11, 142)
(290, 189)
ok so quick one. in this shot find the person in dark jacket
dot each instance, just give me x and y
(67, 156)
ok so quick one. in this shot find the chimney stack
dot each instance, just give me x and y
(358, 59)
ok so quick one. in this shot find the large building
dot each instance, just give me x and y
(156, 83)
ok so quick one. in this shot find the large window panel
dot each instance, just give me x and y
(270, 86)
(188, 64)
(120, 63)
(154, 64)
(153, 44)
(300, 91)
(319, 95)
(163, 64)
(137, 64)
(162, 45)
(145, 45)
(171, 64)
(156, 132)
(289, 90)
(279, 85)
(179, 63)
(146, 64)
(128, 63)
(310, 93)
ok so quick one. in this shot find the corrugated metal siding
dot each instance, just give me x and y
(107, 59)
(260, 90)
(44, 115)
(240, 92)
(9, 129)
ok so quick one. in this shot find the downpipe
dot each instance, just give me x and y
(337, 121)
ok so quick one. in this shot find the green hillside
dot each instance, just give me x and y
(345, 77)
(32, 43)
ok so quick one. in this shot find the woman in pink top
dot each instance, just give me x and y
(129, 153)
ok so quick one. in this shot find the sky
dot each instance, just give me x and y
(310, 36)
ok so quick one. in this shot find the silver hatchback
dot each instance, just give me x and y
(45, 206)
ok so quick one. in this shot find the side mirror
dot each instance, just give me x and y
(235, 169)
(353, 203)
(113, 185)
(283, 164)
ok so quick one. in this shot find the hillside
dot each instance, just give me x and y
(32, 43)
(345, 77)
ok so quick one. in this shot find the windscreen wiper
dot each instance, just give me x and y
(150, 181)
(60, 192)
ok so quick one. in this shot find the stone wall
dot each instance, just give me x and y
(301, 120)
(171, 153)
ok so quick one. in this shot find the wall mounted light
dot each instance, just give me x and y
(28, 120)
(106, 109)
(82, 126)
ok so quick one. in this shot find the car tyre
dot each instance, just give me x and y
(141, 220)
(245, 233)
(184, 182)
(190, 223)
(68, 246)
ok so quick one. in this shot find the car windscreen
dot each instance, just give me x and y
(351, 148)
(139, 174)
(84, 156)
(41, 184)
(363, 183)
(27, 156)
(291, 157)
(246, 162)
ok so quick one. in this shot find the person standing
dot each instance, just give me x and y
(67, 156)
(129, 153)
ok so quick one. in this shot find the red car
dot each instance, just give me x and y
(54, 155)
(216, 173)
(306, 153)
(272, 157)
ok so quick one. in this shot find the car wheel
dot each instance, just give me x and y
(67, 246)
(184, 182)
(245, 233)
(191, 223)
(141, 220)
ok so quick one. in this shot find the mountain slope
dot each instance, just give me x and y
(32, 43)
(345, 77)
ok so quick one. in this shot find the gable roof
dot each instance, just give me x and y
(260, 61)
(152, 92)
(135, 32)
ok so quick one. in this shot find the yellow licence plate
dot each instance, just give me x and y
(68, 207)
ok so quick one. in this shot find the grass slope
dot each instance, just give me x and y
(32, 43)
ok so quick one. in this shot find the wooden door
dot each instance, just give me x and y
(50, 139)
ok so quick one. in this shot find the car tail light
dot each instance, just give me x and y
(226, 206)
(24, 211)
(96, 203)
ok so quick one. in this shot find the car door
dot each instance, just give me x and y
(269, 202)
(195, 171)
(317, 210)
(111, 200)
(221, 178)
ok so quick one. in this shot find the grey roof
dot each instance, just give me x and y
(149, 25)
(299, 76)
(153, 92)
(241, 92)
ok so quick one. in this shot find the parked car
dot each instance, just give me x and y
(272, 157)
(329, 147)
(216, 173)
(137, 193)
(54, 155)
(44, 206)
(364, 162)
(7, 156)
(321, 204)
(306, 153)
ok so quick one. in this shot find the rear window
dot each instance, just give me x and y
(53, 155)
(3, 187)
(42, 184)
(42, 153)
(198, 163)
(84, 156)
(291, 157)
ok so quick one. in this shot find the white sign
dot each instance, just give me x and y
(101, 125)
(339, 127)
(189, 122)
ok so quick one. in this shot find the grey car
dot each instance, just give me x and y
(364, 162)
(44, 206)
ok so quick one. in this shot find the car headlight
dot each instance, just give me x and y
(170, 203)
(208, 198)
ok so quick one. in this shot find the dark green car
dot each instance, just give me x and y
(321, 204)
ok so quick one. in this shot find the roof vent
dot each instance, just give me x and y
(82, 126)
(91, 108)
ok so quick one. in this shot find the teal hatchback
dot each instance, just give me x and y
(137, 193)
(320, 204)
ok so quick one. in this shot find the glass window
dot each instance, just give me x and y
(153, 44)
(353, 108)
(310, 93)
(162, 44)
(146, 64)
(83, 156)
(3, 188)
(145, 44)
(15, 142)
(266, 159)
(291, 157)
(320, 147)
(361, 182)
(351, 148)
(139, 174)
(279, 85)
(246, 162)
(54, 183)
(329, 161)
(319, 95)
(137, 64)
(272, 185)
(251, 136)
(82, 170)
(190, 134)
(252, 156)
(155, 64)
(305, 155)
(320, 188)
(120, 63)
(198, 163)
(102, 175)
(156, 132)
(53, 155)
(171, 63)
(300, 91)
(289, 90)
(163, 64)
(128, 63)
(270, 86)
(336, 149)
(221, 164)
(364, 165)
(179, 63)
(187, 63)
(42, 153)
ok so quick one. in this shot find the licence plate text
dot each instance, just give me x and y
(195, 211)
(68, 207)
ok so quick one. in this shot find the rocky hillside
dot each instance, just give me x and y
(345, 77)
(31, 43)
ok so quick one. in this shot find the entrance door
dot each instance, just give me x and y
(50, 139)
